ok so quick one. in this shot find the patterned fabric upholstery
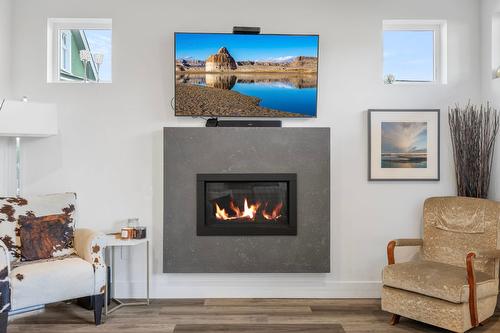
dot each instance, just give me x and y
(434, 311)
(5, 304)
(45, 237)
(455, 226)
(435, 279)
(434, 288)
(90, 246)
(71, 273)
(12, 208)
(51, 281)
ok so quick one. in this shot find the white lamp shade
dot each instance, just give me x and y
(27, 119)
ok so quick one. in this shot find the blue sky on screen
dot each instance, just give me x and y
(100, 42)
(245, 47)
(409, 55)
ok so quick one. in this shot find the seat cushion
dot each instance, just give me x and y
(437, 280)
(51, 281)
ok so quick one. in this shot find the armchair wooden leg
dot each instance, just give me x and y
(98, 304)
(395, 319)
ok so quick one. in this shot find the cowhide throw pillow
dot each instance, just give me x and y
(41, 205)
(45, 237)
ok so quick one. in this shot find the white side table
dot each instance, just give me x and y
(111, 243)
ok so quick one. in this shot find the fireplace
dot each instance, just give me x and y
(246, 204)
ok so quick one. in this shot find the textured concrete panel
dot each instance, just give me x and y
(189, 151)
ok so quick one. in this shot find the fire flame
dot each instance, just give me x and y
(275, 214)
(250, 211)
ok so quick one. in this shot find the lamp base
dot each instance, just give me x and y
(18, 166)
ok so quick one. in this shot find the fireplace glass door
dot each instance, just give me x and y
(246, 204)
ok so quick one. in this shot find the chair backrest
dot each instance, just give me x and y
(455, 226)
(13, 207)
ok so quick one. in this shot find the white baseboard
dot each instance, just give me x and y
(253, 289)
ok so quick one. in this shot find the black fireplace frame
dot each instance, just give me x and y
(202, 229)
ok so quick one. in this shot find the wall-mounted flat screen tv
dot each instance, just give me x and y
(236, 75)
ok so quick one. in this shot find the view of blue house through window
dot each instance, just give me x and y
(409, 56)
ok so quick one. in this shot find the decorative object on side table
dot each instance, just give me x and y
(403, 144)
(473, 134)
(133, 230)
(113, 241)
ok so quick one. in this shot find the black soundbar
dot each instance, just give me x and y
(246, 30)
(213, 122)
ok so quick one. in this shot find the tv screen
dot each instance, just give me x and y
(234, 75)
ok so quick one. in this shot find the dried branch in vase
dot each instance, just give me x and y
(473, 132)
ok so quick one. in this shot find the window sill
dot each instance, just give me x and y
(90, 83)
(409, 83)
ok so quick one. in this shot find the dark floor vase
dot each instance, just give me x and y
(246, 204)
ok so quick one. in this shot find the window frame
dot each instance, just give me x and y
(68, 50)
(439, 29)
(54, 26)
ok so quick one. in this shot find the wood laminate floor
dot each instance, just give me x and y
(232, 315)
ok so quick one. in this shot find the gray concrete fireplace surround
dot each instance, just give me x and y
(192, 151)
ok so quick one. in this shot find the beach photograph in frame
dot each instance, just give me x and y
(403, 145)
(235, 75)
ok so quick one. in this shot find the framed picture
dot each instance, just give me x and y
(403, 144)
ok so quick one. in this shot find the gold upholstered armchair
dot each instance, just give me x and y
(454, 282)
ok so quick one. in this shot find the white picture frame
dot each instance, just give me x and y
(404, 145)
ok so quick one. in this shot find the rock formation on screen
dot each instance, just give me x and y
(220, 62)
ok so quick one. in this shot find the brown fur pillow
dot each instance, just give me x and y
(45, 236)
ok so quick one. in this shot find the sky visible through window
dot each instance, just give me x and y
(100, 42)
(409, 55)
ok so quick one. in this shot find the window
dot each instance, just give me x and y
(65, 50)
(495, 45)
(79, 50)
(414, 51)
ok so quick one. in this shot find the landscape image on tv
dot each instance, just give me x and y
(231, 75)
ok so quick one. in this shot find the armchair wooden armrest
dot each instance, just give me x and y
(471, 281)
(401, 242)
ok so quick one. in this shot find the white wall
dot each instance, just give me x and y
(5, 42)
(6, 147)
(110, 145)
(490, 60)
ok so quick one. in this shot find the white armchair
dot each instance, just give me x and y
(31, 283)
